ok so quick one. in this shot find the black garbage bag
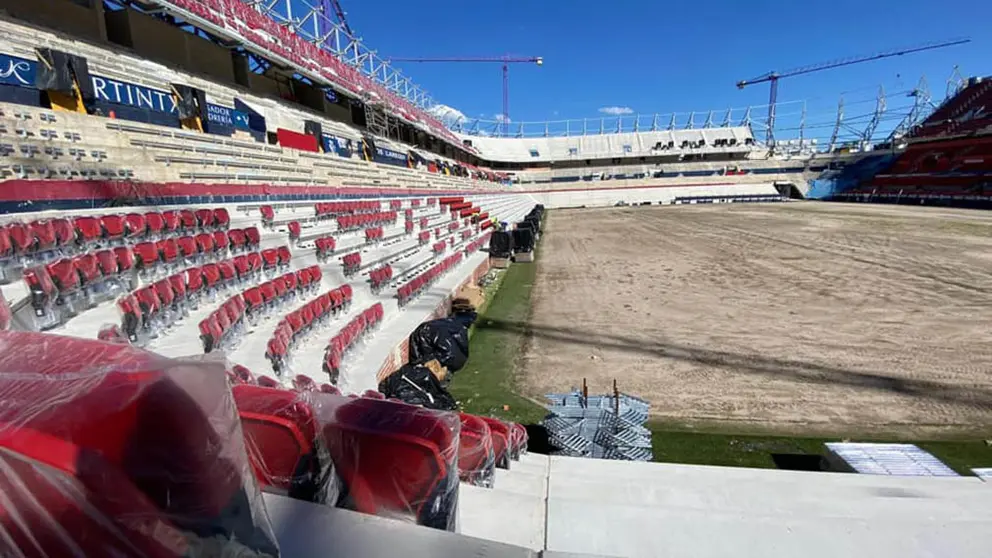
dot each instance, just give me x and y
(444, 340)
(523, 239)
(417, 385)
(501, 244)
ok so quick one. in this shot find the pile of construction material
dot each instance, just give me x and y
(598, 426)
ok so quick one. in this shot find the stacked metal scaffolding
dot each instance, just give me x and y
(599, 426)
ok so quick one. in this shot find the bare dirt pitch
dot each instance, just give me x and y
(832, 316)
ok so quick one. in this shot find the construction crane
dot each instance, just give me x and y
(504, 60)
(773, 77)
(328, 6)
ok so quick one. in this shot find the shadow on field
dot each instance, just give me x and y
(808, 372)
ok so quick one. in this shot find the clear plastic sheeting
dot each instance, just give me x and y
(476, 457)
(281, 437)
(395, 460)
(108, 450)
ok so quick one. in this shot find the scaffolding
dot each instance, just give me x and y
(599, 426)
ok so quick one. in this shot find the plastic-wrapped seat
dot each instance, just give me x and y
(395, 459)
(150, 305)
(43, 295)
(135, 225)
(88, 229)
(155, 223)
(107, 261)
(146, 256)
(500, 432)
(205, 218)
(285, 256)
(113, 227)
(476, 456)
(210, 333)
(237, 239)
(254, 301)
(170, 218)
(131, 322)
(205, 242)
(211, 276)
(56, 507)
(280, 433)
(222, 219)
(252, 236)
(187, 219)
(165, 425)
(518, 439)
(268, 214)
(65, 235)
(168, 250)
(44, 234)
(188, 248)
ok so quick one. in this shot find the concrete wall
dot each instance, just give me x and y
(593, 197)
(162, 42)
(63, 15)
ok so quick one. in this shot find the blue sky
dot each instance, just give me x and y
(658, 56)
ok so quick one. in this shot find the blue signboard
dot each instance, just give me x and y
(20, 72)
(341, 146)
(16, 71)
(390, 157)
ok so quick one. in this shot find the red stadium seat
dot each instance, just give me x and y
(107, 261)
(194, 280)
(21, 237)
(237, 239)
(367, 438)
(227, 272)
(476, 457)
(253, 236)
(205, 218)
(88, 268)
(88, 229)
(44, 234)
(154, 222)
(220, 241)
(255, 259)
(135, 225)
(171, 220)
(64, 275)
(205, 242)
(42, 289)
(281, 438)
(243, 375)
(211, 275)
(168, 250)
(65, 234)
(113, 226)
(222, 219)
(270, 257)
(285, 256)
(501, 441)
(178, 284)
(187, 219)
(266, 381)
(187, 247)
(163, 289)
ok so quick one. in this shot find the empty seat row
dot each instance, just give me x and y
(395, 204)
(379, 278)
(63, 288)
(224, 326)
(361, 220)
(331, 209)
(423, 281)
(325, 247)
(374, 234)
(303, 321)
(147, 312)
(271, 295)
(352, 263)
(360, 326)
(475, 245)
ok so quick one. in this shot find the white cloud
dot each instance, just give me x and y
(446, 114)
(616, 111)
(500, 117)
